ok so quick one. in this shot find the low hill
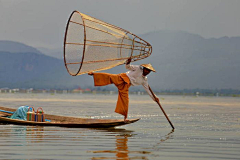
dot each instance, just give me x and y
(182, 61)
(16, 47)
(32, 70)
(185, 60)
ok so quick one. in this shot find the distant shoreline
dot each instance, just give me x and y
(213, 93)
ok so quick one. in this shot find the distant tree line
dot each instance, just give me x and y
(205, 92)
(196, 91)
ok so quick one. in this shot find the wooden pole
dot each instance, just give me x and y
(161, 108)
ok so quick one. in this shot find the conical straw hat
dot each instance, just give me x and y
(148, 66)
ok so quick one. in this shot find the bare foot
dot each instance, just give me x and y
(90, 73)
(126, 120)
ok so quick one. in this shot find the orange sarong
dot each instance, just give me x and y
(122, 82)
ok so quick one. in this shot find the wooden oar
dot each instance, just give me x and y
(161, 107)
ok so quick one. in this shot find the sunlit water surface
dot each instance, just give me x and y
(206, 128)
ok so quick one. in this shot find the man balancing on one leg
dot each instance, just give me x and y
(137, 75)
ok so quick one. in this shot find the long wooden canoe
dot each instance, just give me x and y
(64, 121)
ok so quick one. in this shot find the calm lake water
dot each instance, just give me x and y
(206, 128)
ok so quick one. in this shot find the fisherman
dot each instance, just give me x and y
(137, 75)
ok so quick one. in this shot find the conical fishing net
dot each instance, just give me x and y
(93, 45)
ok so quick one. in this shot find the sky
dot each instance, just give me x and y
(41, 23)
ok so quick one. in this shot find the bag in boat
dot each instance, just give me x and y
(40, 115)
(31, 114)
(20, 113)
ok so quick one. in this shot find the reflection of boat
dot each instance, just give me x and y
(64, 121)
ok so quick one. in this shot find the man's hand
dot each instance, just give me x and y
(157, 99)
(128, 61)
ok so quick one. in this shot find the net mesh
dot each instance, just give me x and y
(92, 45)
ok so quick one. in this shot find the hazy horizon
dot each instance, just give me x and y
(42, 23)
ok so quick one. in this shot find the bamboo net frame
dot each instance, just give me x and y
(93, 45)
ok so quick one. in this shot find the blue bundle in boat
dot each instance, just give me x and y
(20, 113)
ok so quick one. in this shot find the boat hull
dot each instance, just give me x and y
(64, 121)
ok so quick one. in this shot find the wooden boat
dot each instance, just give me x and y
(64, 121)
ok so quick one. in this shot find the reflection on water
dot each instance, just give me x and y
(205, 129)
(121, 150)
(32, 134)
(33, 137)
